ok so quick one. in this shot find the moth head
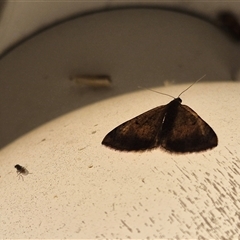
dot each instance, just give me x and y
(178, 99)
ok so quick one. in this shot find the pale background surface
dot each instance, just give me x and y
(81, 189)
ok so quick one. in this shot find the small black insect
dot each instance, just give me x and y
(21, 170)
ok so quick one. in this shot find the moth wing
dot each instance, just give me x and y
(189, 133)
(139, 133)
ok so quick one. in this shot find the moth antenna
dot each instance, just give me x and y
(156, 92)
(191, 85)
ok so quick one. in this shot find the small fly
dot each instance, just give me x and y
(21, 170)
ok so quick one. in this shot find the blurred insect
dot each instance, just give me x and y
(96, 81)
(230, 22)
(21, 171)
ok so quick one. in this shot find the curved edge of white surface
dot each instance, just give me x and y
(145, 47)
(81, 189)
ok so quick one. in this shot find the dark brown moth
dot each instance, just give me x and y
(21, 170)
(173, 127)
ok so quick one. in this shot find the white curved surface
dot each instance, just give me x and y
(81, 189)
(134, 47)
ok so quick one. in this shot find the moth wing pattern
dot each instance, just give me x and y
(139, 133)
(189, 133)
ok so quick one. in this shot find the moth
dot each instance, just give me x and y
(173, 127)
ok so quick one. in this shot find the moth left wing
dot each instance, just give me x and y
(137, 134)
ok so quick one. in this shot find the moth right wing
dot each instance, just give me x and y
(139, 133)
(189, 133)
